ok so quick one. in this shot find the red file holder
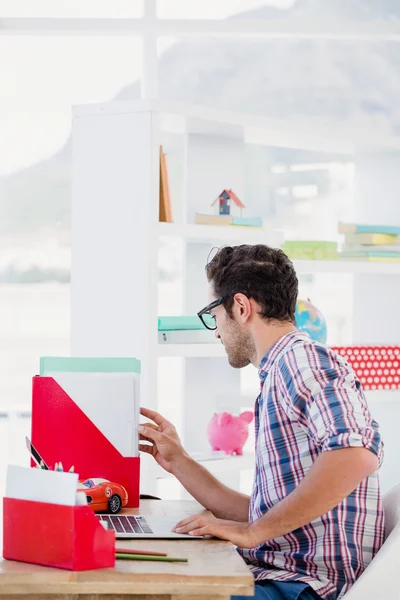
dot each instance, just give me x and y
(65, 537)
(62, 432)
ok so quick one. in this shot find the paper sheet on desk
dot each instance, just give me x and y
(41, 485)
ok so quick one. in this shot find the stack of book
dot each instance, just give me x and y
(370, 242)
(184, 330)
(310, 250)
(228, 221)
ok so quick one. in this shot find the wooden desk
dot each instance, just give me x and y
(215, 570)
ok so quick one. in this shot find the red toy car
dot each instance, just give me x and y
(103, 495)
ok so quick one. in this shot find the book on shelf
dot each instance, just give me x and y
(371, 256)
(361, 249)
(370, 259)
(165, 208)
(184, 330)
(187, 336)
(229, 220)
(180, 323)
(310, 249)
(370, 239)
(363, 228)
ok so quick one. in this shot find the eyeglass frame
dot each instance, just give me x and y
(206, 310)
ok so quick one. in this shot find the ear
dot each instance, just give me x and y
(246, 416)
(224, 419)
(244, 307)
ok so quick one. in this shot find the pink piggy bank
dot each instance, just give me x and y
(229, 433)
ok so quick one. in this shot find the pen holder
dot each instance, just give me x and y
(65, 537)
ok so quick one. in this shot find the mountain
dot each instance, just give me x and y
(330, 82)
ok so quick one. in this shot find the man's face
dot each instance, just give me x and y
(239, 345)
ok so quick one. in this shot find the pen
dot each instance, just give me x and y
(145, 552)
(118, 555)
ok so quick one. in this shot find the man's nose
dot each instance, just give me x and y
(217, 335)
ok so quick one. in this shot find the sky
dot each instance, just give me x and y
(41, 77)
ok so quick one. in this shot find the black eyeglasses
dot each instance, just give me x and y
(208, 319)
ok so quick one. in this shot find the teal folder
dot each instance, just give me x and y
(179, 323)
(66, 364)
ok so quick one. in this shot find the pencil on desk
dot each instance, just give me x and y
(118, 555)
(145, 552)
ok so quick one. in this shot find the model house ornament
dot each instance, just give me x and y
(228, 203)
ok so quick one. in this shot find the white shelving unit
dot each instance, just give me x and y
(347, 266)
(217, 465)
(191, 350)
(212, 233)
(116, 234)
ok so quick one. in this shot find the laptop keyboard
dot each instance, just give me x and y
(126, 523)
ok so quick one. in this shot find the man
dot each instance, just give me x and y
(315, 519)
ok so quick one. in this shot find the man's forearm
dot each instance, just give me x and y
(223, 502)
(332, 478)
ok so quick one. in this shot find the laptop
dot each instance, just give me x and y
(130, 526)
(133, 527)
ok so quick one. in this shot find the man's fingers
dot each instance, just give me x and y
(153, 415)
(152, 434)
(187, 520)
(184, 525)
(201, 531)
(191, 527)
(150, 425)
(145, 448)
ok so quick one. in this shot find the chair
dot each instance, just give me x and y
(381, 578)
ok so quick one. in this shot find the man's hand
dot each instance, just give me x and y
(165, 445)
(239, 533)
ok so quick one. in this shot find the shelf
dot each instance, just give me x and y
(221, 463)
(383, 396)
(212, 233)
(291, 28)
(299, 133)
(347, 266)
(212, 349)
(15, 410)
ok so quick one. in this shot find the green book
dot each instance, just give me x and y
(67, 364)
(310, 244)
(310, 250)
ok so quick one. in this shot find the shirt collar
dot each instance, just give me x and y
(269, 359)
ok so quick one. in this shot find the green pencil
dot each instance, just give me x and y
(149, 557)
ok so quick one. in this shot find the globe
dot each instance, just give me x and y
(311, 320)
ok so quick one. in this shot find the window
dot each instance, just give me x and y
(71, 8)
(35, 161)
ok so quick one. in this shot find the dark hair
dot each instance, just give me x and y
(260, 272)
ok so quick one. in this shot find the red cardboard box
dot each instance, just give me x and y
(66, 537)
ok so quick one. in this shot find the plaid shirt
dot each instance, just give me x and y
(312, 402)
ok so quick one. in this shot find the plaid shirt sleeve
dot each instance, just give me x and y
(322, 393)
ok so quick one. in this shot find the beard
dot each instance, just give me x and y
(239, 347)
